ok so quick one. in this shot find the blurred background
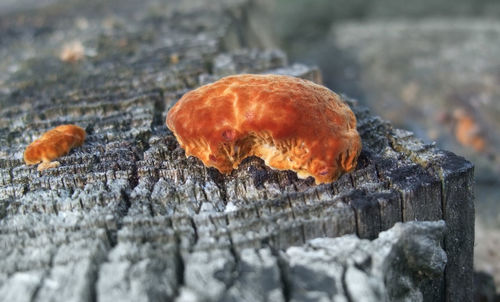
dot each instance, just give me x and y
(429, 66)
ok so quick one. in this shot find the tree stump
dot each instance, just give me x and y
(127, 215)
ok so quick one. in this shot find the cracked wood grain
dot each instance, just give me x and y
(128, 216)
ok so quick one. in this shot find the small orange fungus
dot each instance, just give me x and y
(291, 123)
(53, 144)
(72, 52)
(174, 58)
(467, 130)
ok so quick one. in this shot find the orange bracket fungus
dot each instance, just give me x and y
(53, 144)
(291, 123)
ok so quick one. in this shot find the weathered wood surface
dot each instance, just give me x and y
(126, 214)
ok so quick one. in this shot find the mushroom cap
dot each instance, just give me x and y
(54, 143)
(291, 123)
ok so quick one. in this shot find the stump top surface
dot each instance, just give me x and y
(129, 193)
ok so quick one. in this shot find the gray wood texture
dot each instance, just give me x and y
(127, 214)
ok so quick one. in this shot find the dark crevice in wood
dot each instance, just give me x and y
(380, 222)
(93, 280)
(158, 110)
(127, 203)
(235, 269)
(220, 182)
(303, 231)
(54, 207)
(443, 208)
(151, 209)
(353, 182)
(180, 268)
(256, 209)
(195, 230)
(355, 219)
(402, 205)
(344, 284)
(290, 205)
(3, 207)
(112, 237)
(443, 197)
(45, 275)
(39, 286)
(286, 287)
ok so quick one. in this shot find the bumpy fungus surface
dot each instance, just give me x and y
(291, 123)
(53, 144)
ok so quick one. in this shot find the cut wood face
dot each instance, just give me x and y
(291, 123)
